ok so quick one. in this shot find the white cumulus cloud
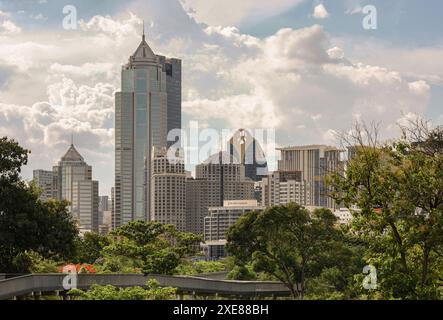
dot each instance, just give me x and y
(233, 13)
(320, 12)
(10, 27)
(299, 82)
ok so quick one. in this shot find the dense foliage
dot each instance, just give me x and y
(398, 190)
(148, 247)
(26, 223)
(293, 246)
(152, 292)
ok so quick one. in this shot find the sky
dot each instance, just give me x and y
(304, 68)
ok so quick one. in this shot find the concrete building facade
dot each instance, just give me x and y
(216, 181)
(168, 188)
(44, 180)
(283, 187)
(85, 205)
(315, 162)
(220, 219)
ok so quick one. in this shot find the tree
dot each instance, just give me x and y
(34, 262)
(12, 158)
(89, 248)
(288, 243)
(26, 223)
(189, 267)
(244, 273)
(397, 188)
(153, 291)
(151, 246)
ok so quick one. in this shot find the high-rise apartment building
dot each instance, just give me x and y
(146, 109)
(43, 180)
(197, 202)
(283, 187)
(216, 181)
(168, 191)
(315, 163)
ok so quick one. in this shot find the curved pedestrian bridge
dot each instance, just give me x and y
(43, 284)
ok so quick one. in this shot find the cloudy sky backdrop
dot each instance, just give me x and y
(306, 68)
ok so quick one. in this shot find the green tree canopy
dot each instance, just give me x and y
(151, 246)
(153, 291)
(26, 223)
(288, 243)
(12, 158)
(89, 247)
(395, 191)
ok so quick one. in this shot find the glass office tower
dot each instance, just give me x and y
(142, 111)
(72, 181)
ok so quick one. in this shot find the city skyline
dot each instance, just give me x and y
(202, 150)
(352, 74)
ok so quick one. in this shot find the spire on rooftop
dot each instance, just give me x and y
(72, 154)
(144, 53)
(143, 38)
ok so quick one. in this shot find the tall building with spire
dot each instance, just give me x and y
(146, 109)
(72, 181)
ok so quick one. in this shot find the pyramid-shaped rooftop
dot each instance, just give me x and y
(143, 55)
(144, 51)
(72, 154)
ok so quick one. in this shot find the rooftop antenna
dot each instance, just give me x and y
(143, 29)
(72, 138)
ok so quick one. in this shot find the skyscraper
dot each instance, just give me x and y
(104, 214)
(283, 187)
(43, 180)
(245, 150)
(84, 205)
(114, 222)
(103, 206)
(315, 163)
(70, 169)
(148, 106)
(217, 179)
(198, 196)
(168, 188)
(73, 182)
